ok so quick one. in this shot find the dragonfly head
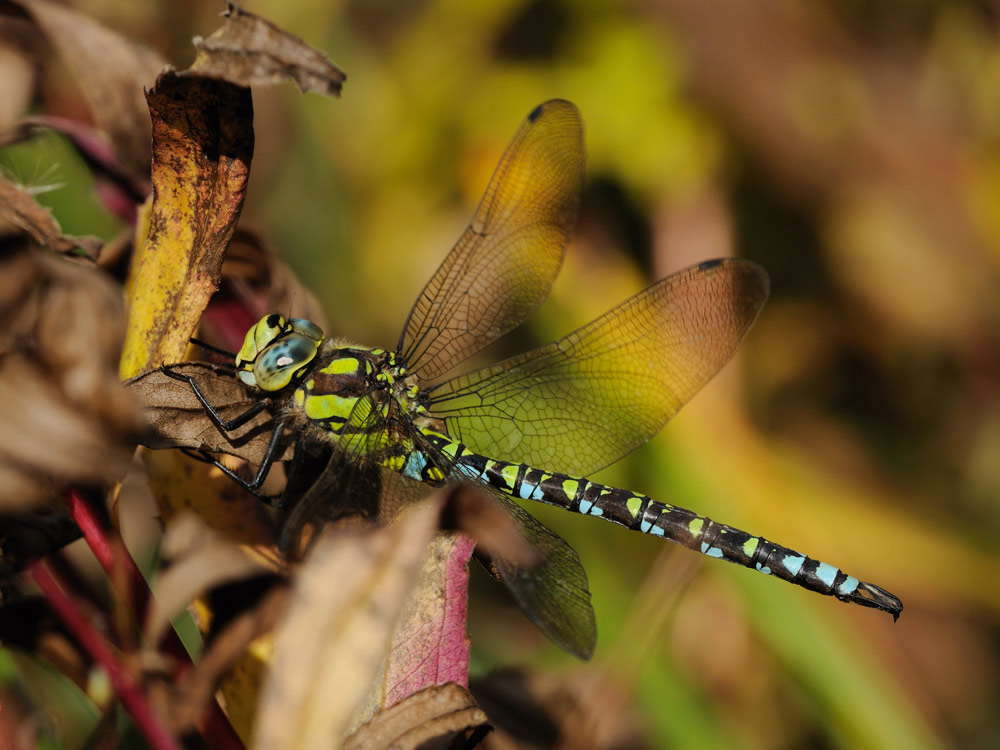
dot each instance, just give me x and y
(275, 350)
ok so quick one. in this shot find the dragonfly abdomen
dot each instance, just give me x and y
(642, 513)
(718, 540)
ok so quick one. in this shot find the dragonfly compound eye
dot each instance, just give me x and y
(307, 328)
(281, 361)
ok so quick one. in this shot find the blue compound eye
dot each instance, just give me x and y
(275, 349)
(279, 363)
(307, 328)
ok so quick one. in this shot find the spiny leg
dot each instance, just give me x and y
(226, 426)
(230, 356)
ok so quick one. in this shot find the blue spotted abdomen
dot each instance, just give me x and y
(642, 513)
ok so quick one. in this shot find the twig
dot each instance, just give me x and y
(129, 692)
(214, 724)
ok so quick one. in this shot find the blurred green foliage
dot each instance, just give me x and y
(850, 148)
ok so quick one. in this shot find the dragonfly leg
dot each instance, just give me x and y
(270, 453)
(214, 349)
(225, 425)
(278, 501)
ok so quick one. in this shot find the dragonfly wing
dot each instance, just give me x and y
(502, 267)
(586, 400)
(553, 591)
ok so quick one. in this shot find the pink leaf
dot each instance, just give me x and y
(430, 645)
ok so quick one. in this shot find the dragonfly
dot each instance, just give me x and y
(573, 406)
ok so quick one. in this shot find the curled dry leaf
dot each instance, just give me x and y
(19, 207)
(254, 282)
(113, 72)
(66, 418)
(442, 717)
(199, 560)
(177, 419)
(582, 708)
(248, 50)
(471, 511)
(228, 647)
(118, 188)
(202, 146)
(328, 650)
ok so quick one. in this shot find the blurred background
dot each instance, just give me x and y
(850, 148)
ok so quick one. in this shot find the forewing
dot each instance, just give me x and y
(586, 400)
(504, 264)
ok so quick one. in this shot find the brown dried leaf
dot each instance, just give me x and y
(250, 51)
(66, 418)
(202, 146)
(193, 692)
(26, 537)
(328, 650)
(199, 560)
(17, 85)
(472, 512)
(441, 717)
(113, 71)
(177, 419)
(19, 207)
(254, 282)
(583, 708)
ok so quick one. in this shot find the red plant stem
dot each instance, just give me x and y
(128, 691)
(91, 527)
(104, 542)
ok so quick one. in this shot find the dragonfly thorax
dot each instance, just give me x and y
(349, 390)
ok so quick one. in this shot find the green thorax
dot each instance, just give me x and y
(356, 397)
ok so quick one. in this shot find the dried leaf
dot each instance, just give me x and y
(583, 708)
(17, 85)
(441, 717)
(228, 647)
(254, 282)
(66, 418)
(26, 537)
(113, 71)
(250, 51)
(200, 560)
(202, 145)
(327, 652)
(20, 208)
(117, 188)
(180, 483)
(177, 419)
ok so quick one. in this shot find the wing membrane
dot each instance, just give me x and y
(553, 592)
(502, 267)
(586, 400)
